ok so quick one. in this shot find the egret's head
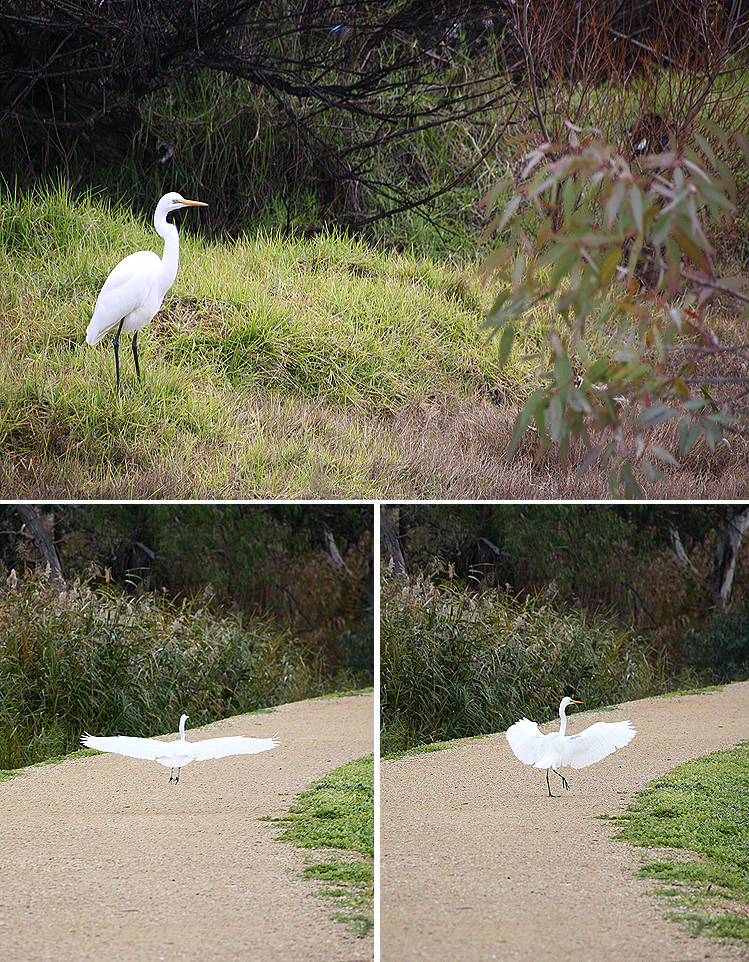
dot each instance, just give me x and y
(173, 201)
(568, 701)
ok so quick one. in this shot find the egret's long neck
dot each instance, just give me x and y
(562, 721)
(170, 257)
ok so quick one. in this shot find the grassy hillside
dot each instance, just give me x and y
(277, 368)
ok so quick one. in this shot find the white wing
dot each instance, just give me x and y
(597, 742)
(526, 741)
(232, 745)
(195, 751)
(125, 290)
(127, 745)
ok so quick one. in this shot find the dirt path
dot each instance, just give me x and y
(102, 859)
(478, 863)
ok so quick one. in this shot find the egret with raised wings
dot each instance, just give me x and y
(135, 289)
(557, 749)
(180, 753)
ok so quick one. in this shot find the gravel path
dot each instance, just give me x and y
(478, 863)
(102, 859)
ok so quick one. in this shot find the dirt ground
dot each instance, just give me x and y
(102, 859)
(478, 863)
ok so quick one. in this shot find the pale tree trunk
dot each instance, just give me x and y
(392, 544)
(34, 530)
(726, 555)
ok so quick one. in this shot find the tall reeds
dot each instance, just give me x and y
(455, 664)
(109, 663)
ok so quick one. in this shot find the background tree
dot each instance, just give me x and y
(336, 99)
(655, 568)
(310, 94)
(510, 607)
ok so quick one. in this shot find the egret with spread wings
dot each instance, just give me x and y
(180, 753)
(557, 749)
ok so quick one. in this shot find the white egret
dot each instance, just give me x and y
(556, 749)
(180, 753)
(135, 289)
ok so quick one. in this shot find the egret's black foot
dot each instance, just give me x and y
(564, 782)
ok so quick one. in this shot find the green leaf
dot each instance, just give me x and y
(518, 271)
(505, 343)
(495, 261)
(589, 459)
(609, 265)
(599, 370)
(635, 203)
(688, 435)
(614, 204)
(713, 433)
(743, 141)
(535, 403)
(664, 455)
(627, 483)
(656, 414)
(569, 196)
(564, 256)
(690, 248)
(509, 211)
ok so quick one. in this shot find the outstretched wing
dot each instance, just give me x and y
(526, 740)
(231, 745)
(127, 745)
(597, 742)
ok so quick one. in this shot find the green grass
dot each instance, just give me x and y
(337, 813)
(316, 367)
(273, 369)
(695, 823)
(417, 750)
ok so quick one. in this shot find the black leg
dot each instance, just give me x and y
(117, 353)
(137, 370)
(564, 782)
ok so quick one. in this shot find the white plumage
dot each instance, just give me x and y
(180, 753)
(135, 289)
(556, 749)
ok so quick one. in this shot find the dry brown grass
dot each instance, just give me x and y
(459, 452)
(451, 447)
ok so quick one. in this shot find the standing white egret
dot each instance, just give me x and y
(557, 749)
(135, 289)
(180, 753)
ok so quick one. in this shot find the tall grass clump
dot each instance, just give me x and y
(107, 663)
(454, 664)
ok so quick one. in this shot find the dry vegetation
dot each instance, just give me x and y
(460, 452)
